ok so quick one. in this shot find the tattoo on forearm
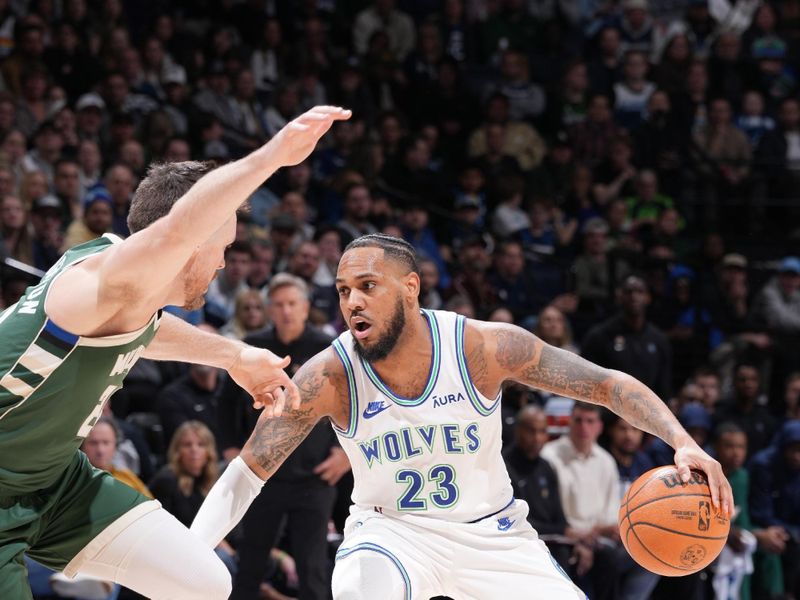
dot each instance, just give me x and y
(309, 383)
(275, 439)
(514, 348)
(565, 373)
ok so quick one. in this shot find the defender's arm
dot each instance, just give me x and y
(257, 371)
(149, 260)
(517, 355)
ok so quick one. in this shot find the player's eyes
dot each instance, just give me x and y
(343, 291)
(368, 285)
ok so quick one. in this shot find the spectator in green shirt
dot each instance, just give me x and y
(767, 581)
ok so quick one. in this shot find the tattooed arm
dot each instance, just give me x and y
(497, 353)
(323, 392)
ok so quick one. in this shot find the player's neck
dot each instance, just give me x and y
(413, 341)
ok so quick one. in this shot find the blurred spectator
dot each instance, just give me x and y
(417, 232)
(728, 68)
(89, 111)
(647, 205)
(250, 315)
(591, 139)
(746, 408)
(629, 343)
(707, 380)
(512, 285)
(536, 482)
(46, 218)
(229, 283)
(775, 476)
(89, 165)
(520, 140)
(604, 67)
(580, 465)
(625, 446)
(357, 208)
(526, 99)
(633, 91)
(192, 468)
(673, 66)
(730, 448)
(301, 490)
(614, 176)
(429, 296)
(753, 120)
(552, 327)
(304, 263)
(596, 273)
(383, 16)
(100, 446)
(96, 220)
(67, 188)
(329, 242)
(191, 397)
(636, 27)
(724, 153)
(509, 217)
(778, 152)
(47, 145)
(15, 235)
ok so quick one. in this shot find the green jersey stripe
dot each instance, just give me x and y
(22, 373)
(15, 386)
(39, 360)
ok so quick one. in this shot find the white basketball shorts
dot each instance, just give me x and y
(411, 557)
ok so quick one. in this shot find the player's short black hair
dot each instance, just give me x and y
(395, 248)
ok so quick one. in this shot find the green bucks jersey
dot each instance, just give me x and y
(54, 384)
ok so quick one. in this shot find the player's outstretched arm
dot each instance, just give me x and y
(139, 268)
(259, 372)
(323, 392)
(162, 249)
(512, 353)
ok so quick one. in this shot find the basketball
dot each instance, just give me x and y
(671, 528)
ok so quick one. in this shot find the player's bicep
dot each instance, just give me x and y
(526, 359)
(148, 260)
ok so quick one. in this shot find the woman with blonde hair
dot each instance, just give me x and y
(553, 327)
(15, 236)
(32, 187)
(192, 468)
(250, 315)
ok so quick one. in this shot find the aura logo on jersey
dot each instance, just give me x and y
(409, 442)
(446, 399)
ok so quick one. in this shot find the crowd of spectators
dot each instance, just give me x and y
(618, 176)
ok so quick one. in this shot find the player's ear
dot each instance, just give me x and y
(412, 284)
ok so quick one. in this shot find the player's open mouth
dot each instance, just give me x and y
(360, 327)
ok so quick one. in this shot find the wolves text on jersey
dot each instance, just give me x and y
(448, 438)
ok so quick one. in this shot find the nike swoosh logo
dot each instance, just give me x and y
(505, 526)
(373, 410)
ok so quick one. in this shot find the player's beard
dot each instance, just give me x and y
(386, 343)
(195, 297)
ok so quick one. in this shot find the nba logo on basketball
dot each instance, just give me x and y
(704, 515)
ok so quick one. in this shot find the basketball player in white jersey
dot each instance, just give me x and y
(413, 396)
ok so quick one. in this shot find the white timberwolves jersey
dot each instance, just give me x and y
(437, 455)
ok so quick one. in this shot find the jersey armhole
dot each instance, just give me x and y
(466, 379)
(352, 392)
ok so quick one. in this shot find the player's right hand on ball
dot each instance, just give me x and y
(691, 456)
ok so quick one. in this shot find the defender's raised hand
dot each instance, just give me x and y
(297, 140)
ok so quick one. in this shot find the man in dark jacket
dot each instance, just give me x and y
(628, 342)
(302, 489)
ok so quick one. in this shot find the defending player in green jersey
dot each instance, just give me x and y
(66, 347)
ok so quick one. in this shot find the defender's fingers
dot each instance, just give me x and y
(280, 401)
